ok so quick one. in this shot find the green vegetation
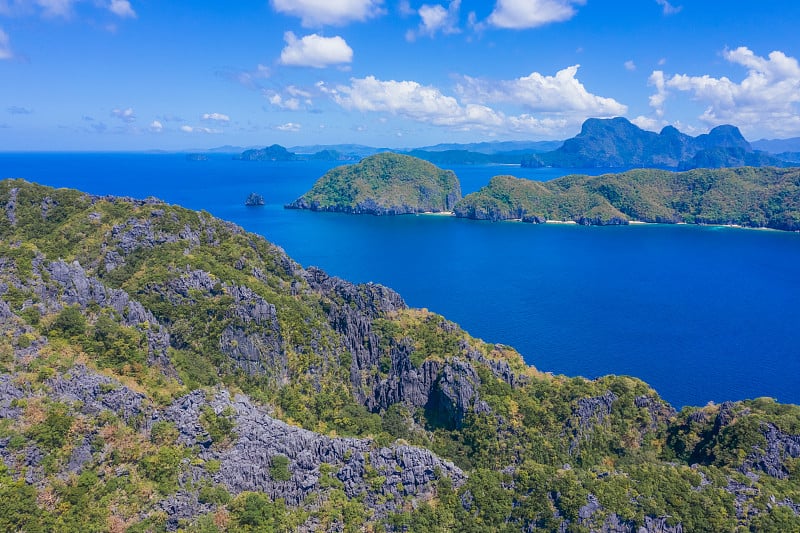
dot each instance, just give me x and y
(383, 184)
(538, 451)
(752, 197)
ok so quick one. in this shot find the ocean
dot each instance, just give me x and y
(700, 313)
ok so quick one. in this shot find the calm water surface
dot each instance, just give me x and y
(701, 313)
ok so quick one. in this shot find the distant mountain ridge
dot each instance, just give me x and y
(777, 146)
(618, 143)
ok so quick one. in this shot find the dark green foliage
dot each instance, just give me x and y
(52, 432)
(254, 511)
(70, 323)
(386, 183)
(163, 467)
(163, 433)
(218, 426)
(279, 468)
(752, 197)
(216, 494)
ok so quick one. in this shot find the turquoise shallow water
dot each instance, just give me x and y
(701, 313)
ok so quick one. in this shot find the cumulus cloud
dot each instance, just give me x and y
(562, 93)
(125, 115)
(435, 18)
(156, 126)
(316, 13)
(766, 100)
(315, 51)
(292, 104)
(649, 123)
(630, 65)
(194, 129)
(668, 8)
(428, 105)
(216, 117)
(522, 14)
(289, 126)
(5, 46)
(122, 9)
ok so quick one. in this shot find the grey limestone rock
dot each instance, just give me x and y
(98, 393)
(11, 206)
(245, 464)
(77, 288)
(771, 459)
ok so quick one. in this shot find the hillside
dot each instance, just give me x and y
(164, 370)
(617, 143)
(383, 184)
(752, 197)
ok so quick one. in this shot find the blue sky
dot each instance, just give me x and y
(160, 74)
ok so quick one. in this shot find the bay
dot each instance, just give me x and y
(701, 313)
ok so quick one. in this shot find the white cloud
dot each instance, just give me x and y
(435, 18)
(668, 8)
(630, 65)
(190, 129)
(649, 123)
(428, 105)
(156, 126)
(125, 115)
(562, 93)
(293, 104)
(5, 46)
(657, 100)
(316, 13)
(217, 117)
(765, 101)
(289, 126)
(315, 51)
(56, 8)
(122, 9)
(521, 14)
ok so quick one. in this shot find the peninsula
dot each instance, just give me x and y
(765, 197)
(383, 184)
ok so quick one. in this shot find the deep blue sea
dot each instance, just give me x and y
(701, 313)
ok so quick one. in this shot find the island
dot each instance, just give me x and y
(254, 200)
(383, 184)
(165, 370)
(617, 143)
(766, 197)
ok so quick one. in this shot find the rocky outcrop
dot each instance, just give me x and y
(588, 413)
(77, 288)
(382, 476)
(772, 458)
(97, 393)
(11, 206)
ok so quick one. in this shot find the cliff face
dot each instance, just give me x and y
(617, 143)
(162, 370)
(383, 184)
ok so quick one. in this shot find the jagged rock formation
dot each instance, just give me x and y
(161, 369)
(617, 143)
